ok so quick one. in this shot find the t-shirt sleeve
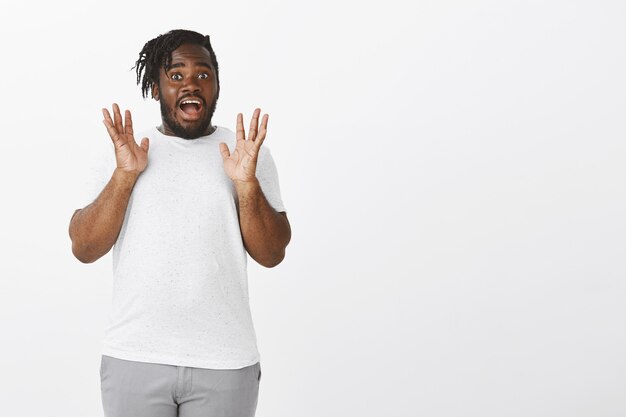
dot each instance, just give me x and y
(97, 174)
(268, 178)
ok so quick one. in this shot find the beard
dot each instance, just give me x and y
(192, 132)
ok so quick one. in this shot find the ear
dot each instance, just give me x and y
(155, 91)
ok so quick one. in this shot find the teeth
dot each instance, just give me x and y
(191, 102)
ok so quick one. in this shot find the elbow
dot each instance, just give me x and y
(85, 249)
(273, 253)
(279, 254)
(271, 262)
(277, 260)
(81, 254)
(78, 250)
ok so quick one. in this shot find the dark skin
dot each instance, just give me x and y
(192, 76)
(265, 232)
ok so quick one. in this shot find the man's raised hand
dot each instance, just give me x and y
(129, 156)
(241, 164)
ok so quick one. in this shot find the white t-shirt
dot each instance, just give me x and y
(180, 286)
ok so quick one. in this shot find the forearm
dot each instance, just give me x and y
(265, 232)
(95, 228)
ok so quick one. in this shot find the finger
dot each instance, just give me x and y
(107, 116)
(241, 135)
(117, 141)
(117, 118)
(113, 132)
(224, 151)
(254, 124)
(128, 122)
(145, 144)
(262, 132)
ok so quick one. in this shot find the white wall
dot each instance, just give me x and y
(454, 175)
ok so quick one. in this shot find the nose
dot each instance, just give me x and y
(191, 85)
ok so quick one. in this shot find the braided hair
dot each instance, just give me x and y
(157, 54)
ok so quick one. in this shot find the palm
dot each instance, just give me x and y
(240, 165)
(128, 155)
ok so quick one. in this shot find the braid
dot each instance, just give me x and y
(157, 54)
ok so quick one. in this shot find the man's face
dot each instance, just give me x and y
(188, 92)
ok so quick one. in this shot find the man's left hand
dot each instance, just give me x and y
(240, 166)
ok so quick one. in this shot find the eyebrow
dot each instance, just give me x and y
(181, 65)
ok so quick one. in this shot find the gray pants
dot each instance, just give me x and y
(141, 389)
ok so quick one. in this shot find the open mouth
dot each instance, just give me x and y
(191, 108)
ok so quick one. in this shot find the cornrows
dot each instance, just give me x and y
(157, 54)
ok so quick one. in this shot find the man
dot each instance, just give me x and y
(180, 211)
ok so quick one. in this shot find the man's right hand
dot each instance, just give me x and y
(129, 156)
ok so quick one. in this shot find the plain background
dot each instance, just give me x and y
(453, 172)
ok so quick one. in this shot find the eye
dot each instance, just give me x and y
(176, 77)
(203, 75)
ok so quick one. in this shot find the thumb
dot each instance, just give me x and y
(224, 150)
(145, 144)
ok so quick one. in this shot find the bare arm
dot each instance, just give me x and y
(265, 232)
(94, 229)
